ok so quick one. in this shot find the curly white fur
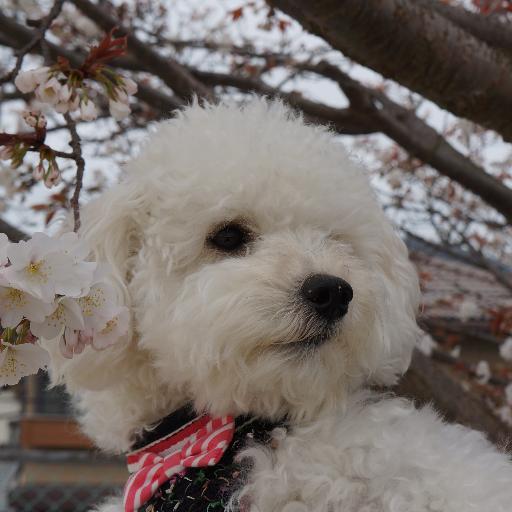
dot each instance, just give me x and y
(222, 331)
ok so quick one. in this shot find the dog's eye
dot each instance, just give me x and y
(230, 238)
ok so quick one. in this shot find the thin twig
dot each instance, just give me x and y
(80, 167)
(60, 154)
(39, 36)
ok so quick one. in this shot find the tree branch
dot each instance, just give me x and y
(491, 30)
(170, 71)
(20, 35)
(362, 117)
(346, 121)
(372, 110)
(36, 40)
(80, 167)
(419, 48)
(12, 232)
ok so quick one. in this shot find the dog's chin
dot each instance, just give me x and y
(316, 341)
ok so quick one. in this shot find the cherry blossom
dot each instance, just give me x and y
(118, 109)
(426, 344)
(17, 361)
(88, 110)
(53, 175)
(98, 306)
(67, 314)
(4, 243)
(483, 372)
(506, 349)
(468, 309)
(27, 81)
(34, 119)
(6, 153)
(39, 268)
(48, 92)
(113, 329)
(48, 291)
(39, 171)
(16, 304)
(129, 86)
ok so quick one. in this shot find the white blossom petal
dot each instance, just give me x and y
(118, 109)
(17, 361)
(4, 243)
(66, 315)
(26, 81)
(42, 268)
(48, 92)
(17, 304)
(426, 344)
(72, 343)
(99, 305)
(506, 349)
(483, 372)
(114, 329)
(129, 86)
(88, 110)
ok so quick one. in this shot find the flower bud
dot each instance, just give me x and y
(48, 92)
(26, 81)
(118, 109)
(53, 176)
(38, 172)
(129, 86)
(6, 153)
(41, 74)
(61, 107)
(65, 93)
(34, 119)
(88, 110)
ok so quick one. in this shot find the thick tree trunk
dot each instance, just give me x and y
(429, 383)
(421, 49)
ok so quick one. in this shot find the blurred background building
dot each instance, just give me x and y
(46, 464)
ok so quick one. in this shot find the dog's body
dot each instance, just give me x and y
(264, 280)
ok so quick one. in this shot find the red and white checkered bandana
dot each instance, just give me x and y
(200, 442)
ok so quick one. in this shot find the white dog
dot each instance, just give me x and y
(265, 281)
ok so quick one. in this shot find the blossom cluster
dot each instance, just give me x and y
(66, 90)
(48, 291)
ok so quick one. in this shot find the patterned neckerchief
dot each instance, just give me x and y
(187, 463)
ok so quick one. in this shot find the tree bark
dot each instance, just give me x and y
(373, 109)
(13, 233)
(421, 49)
(427, 382)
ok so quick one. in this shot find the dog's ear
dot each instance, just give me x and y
(111, 229)
(395, 330)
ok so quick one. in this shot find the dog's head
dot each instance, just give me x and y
(261, 274)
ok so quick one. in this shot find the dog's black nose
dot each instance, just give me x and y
(328, 295)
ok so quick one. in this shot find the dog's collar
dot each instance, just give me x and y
(166, 426)
(181, 440)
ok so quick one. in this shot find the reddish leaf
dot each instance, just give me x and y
(237, 13)
(40, 207)
(283, 25)
(49, 216)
